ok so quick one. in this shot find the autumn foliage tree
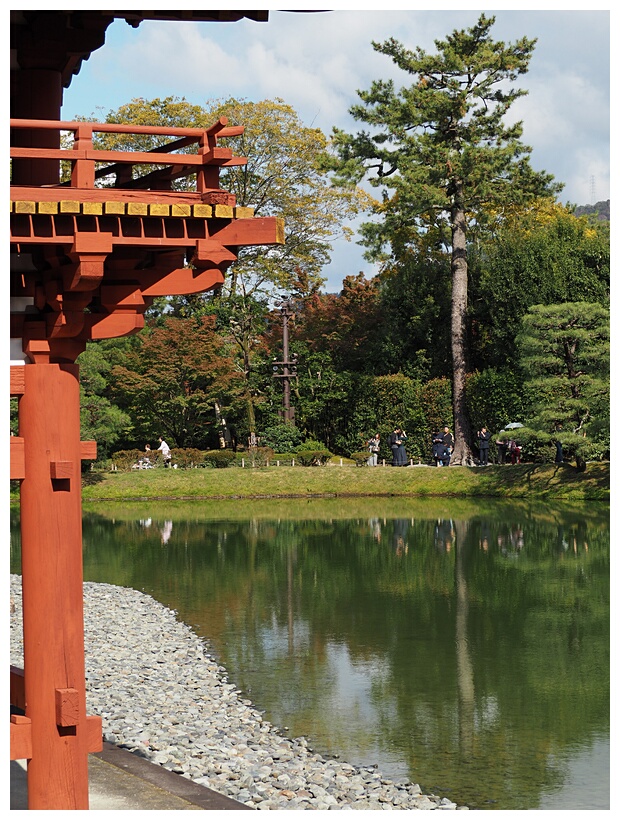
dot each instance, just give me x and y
(171, 379)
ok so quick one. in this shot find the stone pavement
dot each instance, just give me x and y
(121, 780)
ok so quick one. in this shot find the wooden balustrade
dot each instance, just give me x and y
(190, 151)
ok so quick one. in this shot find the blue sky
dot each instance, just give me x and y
(316, 62)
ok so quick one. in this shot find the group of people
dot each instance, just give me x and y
(443, 446)
(396, 442)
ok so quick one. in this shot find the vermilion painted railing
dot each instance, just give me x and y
(84, 157)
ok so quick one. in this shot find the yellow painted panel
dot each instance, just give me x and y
(224, 211)
(48, 207)
(203, 211)
(243, 213)
(137, 208)
(158, 209)
(92, 208)
(115, 207)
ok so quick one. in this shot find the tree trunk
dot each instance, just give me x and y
(462, 453)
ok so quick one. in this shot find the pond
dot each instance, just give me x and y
(462, 646)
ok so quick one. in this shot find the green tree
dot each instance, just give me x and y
(100, 419)
(565, 353)
(415, 305)
(444, 157)
(537, 254)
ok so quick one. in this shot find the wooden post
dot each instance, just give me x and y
(51, 526)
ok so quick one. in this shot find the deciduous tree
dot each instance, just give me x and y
(170, 382)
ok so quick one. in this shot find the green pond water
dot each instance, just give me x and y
(462, 646)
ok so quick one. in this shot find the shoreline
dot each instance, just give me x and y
(162, 696)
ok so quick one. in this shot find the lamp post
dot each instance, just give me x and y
(289, 366)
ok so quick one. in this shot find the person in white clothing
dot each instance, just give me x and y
(165, 452)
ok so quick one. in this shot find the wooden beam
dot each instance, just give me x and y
(17, 380)
(88, 450)
(21, 737)
(16, 457)
(18, 698)
(265, 230)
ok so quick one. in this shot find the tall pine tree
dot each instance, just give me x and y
(443, 157)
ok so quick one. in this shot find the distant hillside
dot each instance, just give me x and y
(600, 210)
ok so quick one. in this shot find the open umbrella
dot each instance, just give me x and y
(513, 425)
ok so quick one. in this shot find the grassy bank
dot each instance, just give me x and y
(530, 481)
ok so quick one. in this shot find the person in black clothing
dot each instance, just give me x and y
(395, 441)
(438, 448)
(448, 443)
(484, 438)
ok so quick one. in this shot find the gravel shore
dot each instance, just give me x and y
(161, 695)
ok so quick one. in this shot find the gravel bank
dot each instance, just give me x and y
(162, 696)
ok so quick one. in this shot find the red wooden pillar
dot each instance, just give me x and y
(51, 526)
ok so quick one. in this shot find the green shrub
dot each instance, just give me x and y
(187, 458)
(313, 458)
(361, 458)
(283, 438)
(310, 444)
(218, 458)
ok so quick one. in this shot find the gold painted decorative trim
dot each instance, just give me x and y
(180, 209)
(203, 211)
(69, 206)
(115, 208)
(89, 208)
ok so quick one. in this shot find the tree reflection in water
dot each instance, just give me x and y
(465, 647)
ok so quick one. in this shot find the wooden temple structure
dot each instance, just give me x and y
(86, 261)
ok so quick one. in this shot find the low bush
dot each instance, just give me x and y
(218, 458)
(360, 458)
(187, 458)
(261, 456)
(313, 458)
(125, 459)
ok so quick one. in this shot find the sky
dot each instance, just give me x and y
(316, 63)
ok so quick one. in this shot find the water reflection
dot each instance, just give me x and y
(465, 649)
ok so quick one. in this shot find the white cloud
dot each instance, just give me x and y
(317, 62)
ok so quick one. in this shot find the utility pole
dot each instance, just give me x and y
(289, 367)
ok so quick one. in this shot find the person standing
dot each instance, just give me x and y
(395, 441)
(502, 450)
(438, 448)
(165, 452)
(448, 443)
(373, 447)
(402, 452)
(484, 438)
